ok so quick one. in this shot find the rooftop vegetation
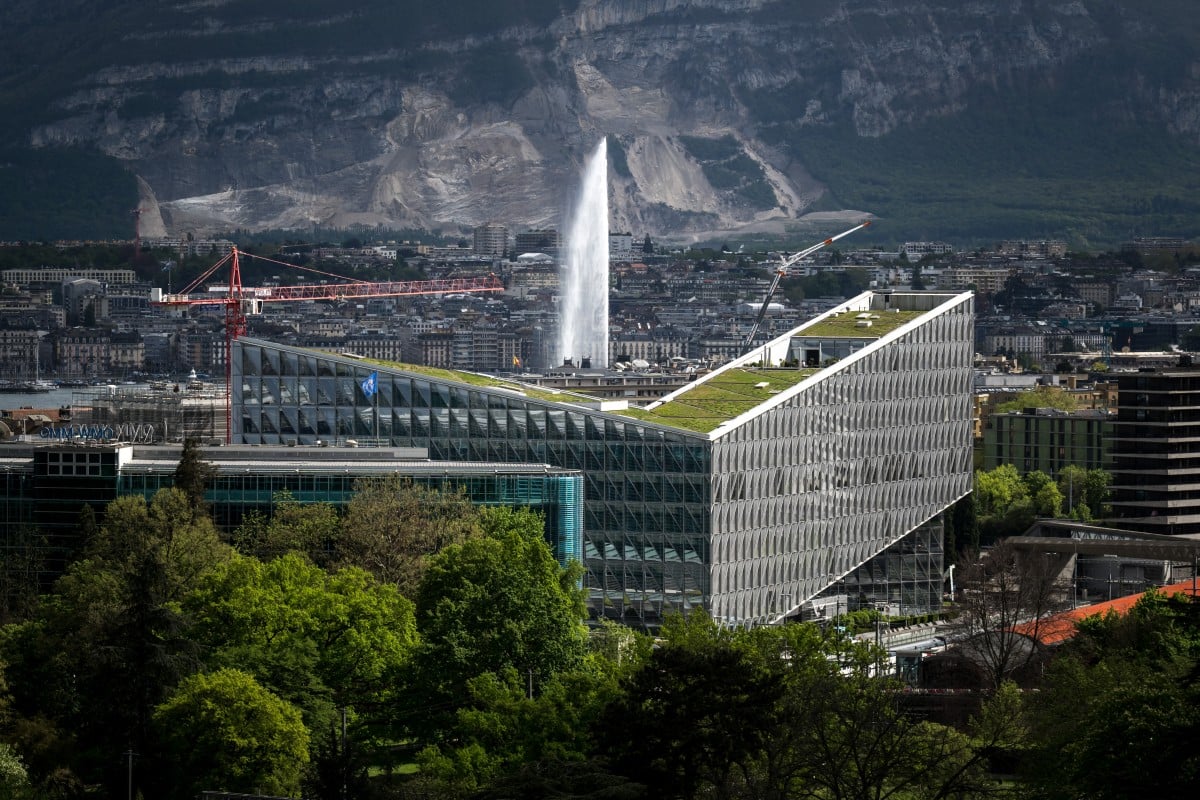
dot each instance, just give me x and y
(706, 405)
(846, 324)
(1041, 397)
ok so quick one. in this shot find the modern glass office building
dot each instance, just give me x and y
(49, 484)
(751, 491)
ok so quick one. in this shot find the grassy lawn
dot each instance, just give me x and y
(846, 325)
(706, 405)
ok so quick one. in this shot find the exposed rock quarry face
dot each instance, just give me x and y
(421, 138)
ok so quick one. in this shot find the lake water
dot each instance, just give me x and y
(55, 398)
(60, 397)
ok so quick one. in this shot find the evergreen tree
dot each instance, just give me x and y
(193, 474)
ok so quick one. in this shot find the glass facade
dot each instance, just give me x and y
(62, 481)
(235, 493)
(645, 488)
(904, 579)
(48, 486)
(781, 502)
(17, 532)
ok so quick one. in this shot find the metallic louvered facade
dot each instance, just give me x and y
(849, 462)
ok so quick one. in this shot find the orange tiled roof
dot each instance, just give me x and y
(1061, 627)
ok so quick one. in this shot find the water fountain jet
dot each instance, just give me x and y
(583, 277)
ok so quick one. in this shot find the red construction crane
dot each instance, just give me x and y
(240, 302)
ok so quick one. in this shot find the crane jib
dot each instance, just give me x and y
(781, 271)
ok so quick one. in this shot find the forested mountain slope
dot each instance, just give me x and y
(962, 121)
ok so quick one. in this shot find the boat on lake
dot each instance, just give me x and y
(27, 387)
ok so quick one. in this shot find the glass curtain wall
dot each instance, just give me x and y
(646, 489)
(751, 521)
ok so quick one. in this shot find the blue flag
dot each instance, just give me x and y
(370, 384)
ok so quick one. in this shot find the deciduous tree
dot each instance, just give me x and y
(496, 603)
(392, 526)
(695, 709)
(14, 779)
(503, 735)
(1004, 588)
(329, 644)
(1085, 491)
(301, 630)
(308, 528)
(224, 731)
(110, 643)
(999, 489)
(1117, 716)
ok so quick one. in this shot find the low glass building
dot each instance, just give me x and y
(50, 483)
(751, 491)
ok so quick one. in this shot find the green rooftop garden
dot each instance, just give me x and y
(707, 404)
(846, 324)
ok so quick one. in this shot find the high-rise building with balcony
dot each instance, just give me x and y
(1156, 452)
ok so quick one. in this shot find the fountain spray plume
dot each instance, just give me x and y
(583, 279)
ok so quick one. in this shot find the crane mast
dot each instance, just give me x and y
(781, 271)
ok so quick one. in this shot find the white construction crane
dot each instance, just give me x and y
(781, 271)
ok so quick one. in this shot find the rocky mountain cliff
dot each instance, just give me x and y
(722, 115)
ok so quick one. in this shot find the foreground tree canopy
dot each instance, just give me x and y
(447, 657)
(1119, 716)
(222, 730)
